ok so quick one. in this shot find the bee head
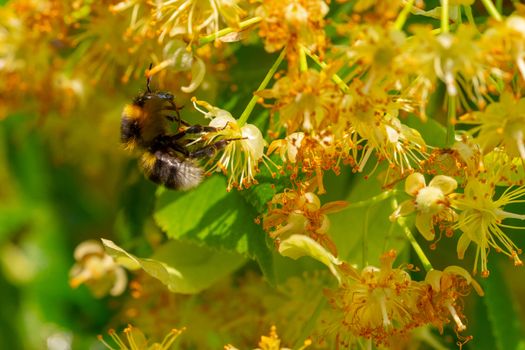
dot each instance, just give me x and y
(158, 96)
(149, 95)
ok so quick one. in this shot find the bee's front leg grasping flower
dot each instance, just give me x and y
(244, 146)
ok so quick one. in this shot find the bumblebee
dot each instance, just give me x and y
(168, 158)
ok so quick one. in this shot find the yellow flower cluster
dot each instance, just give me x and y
(383, 303)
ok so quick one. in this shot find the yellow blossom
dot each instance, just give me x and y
(242, 150)
(308, 102)
(376, 303)
(194, 17)
(481, 220)
(97, 270)
(312, 154)
(457, 59)
(505, 43)
(136, 340)
(439, 299)
(377, 11)
(271, 342)
(431, 203)
(374, 54)
(299, 212)
(373, 117)
(501, 124)
(292, 23)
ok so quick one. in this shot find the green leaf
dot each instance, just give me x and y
(432, 131)
(212, 216)
(502, 312)
(183, 267)
(362, 232)
(267, 186)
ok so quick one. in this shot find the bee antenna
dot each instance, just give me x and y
(148, 78)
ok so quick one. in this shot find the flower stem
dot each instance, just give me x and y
(402, 221)
(417, 248)
(451, 121)
(249, 107)
(303, 65)
(470, 17)
(492, 10)
(365, 237)
(499, 5)
(444, 16)
(402, 17)
(243, 25)
(336, 79)
(372, 200)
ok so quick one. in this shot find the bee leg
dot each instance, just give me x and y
(165, 142)
(176, 108)
(177, 119)
(193, 129)
(199, 129)
(210, 150)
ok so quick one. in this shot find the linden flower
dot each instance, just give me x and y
(502, 124)
(311, 154)
(505, 41)
(456, 59)
(120, 52)
(481, 219)
(136, 340)
(97, 270)
(373, 52)
(375, 128)
(377, 10)
(241, 147)
(298, 212)
(431, 203)
(291, 23)
(439, 300)
(271, 342)
(308, 102)
(377, 303)
(194, 17)
(464, 158)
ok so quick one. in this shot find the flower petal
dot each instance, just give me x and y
(466, 275)
(297, 246)
(445, 183)
(463, 243)
(414, 183)
(433, 278)
(424, 226)
(403, 209)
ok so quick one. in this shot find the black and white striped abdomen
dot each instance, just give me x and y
(174, 172)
